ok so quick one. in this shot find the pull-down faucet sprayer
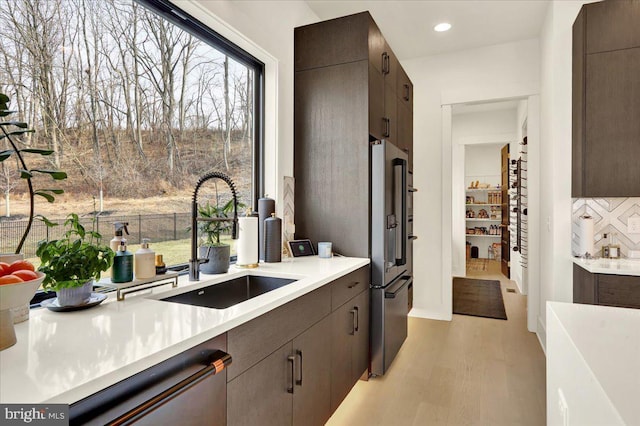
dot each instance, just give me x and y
(194, 262)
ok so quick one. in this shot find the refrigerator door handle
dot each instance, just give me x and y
(400, 208)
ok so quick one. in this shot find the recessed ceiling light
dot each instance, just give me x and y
(443, 26)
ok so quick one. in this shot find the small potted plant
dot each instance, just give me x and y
(73, 262)
(218, 253)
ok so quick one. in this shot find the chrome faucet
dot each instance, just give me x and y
(194, 262)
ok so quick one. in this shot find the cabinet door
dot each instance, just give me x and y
(332, 42)
(405, 130)
(376, 104)
(342, 332)
(260, 395)
(312, 390)
(612, 25)
(612, 132)
(390, 113)
(360, 340)
(584, 286)
(404, 88)
(390, 68)
(619, 290)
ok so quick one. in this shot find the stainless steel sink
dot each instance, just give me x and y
(231, 292)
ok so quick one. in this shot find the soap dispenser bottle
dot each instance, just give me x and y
(122, 271)
(144, 261)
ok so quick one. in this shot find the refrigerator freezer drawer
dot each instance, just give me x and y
(389, 323)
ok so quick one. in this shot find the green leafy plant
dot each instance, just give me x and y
(210, 231)
(75, 259)
(11, 130)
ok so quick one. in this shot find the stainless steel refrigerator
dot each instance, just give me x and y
(391, 239)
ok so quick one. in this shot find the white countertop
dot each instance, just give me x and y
(62, 357)
(608, 339)
(610, 266)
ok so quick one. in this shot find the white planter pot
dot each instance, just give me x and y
(75, 296)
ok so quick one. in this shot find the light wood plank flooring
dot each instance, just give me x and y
(469, 371)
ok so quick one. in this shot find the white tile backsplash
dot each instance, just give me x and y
(610, 217)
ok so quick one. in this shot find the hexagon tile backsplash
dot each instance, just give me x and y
(610, 217)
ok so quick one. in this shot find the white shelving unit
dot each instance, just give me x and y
(487, 199)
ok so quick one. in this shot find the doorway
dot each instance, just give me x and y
(484, 129)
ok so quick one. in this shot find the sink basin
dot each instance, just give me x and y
(231, 292)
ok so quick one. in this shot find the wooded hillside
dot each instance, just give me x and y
(131, 104)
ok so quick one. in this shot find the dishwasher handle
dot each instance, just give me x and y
(221, 360)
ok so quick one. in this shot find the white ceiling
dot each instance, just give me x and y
(408, 25)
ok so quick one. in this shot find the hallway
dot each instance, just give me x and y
(470, 371)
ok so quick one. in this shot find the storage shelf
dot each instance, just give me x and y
(479, 235)
(470, 219)
(483, 189)
(485, 205)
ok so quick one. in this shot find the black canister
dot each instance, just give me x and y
(273, 239)
(266, 207)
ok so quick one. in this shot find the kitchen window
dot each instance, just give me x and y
(138, 99)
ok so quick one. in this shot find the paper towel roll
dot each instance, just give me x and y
(247, 246)
(585, 236)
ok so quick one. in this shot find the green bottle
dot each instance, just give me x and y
(122, 271)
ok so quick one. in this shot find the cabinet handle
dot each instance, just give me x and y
(299, 381)
(407, 92)
(387, 127)
(292, 360)
(353, 284)
(353, 321)
(385, 63)
(357, 318)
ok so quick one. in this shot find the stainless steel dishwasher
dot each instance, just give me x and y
(187, 389)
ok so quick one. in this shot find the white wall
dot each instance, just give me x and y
(264, 29)
(485, 73)
(482, 163)
(555, 109)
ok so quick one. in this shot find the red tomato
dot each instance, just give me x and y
(21, 265)
(10, 279)
(4, 268)
(25, 275)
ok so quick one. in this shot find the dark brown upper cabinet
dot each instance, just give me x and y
(348, 91)
(606, 100)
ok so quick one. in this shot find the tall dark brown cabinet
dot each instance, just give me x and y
(349, 90)
(606, 100)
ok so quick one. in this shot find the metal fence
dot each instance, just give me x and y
(157, 227)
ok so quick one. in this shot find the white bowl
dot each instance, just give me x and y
(15, 295)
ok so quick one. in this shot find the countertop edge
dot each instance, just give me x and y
(629, 267)
(273, 301)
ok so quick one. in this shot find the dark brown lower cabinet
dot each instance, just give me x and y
(290, 386)
(605, 289)
(288, 369)
(259, 395)
(350, 346)
(312, 384)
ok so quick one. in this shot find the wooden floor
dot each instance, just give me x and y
(469, 371)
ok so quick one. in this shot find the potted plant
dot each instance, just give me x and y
(9, 130)
(73, 262)
(211, 248)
